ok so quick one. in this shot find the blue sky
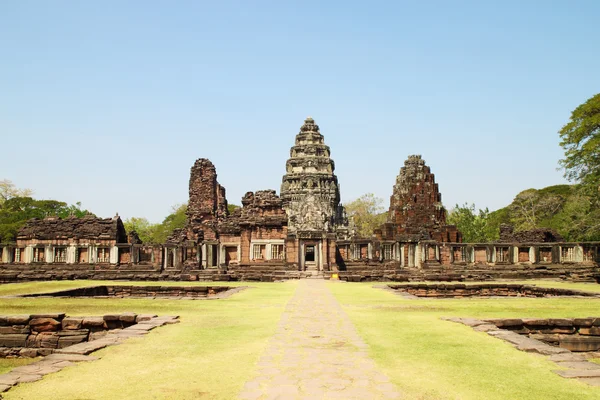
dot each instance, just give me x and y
(110, 103)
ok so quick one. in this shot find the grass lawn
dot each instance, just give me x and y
(433, 359)
(214, 350)
(209, 354)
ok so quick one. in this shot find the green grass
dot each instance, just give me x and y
(209, 354)
(215, 348)
(433, 359)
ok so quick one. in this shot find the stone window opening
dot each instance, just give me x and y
(103, 255)
(502, 255)
(388, 252)
(38, 254)
(60, 254)
(277, 252)
(545, 254)
(258, 251)
(567, 254)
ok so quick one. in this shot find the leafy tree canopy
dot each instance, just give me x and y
(580, 138)
(8, 190)
(157, 233)
(15, 211)
(367, 213)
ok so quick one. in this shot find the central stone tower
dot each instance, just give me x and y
(309, 189)
(310, 196)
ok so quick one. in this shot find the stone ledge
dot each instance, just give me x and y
(577, 364)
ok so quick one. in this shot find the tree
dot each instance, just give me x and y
(532, 209)
(142, 227)
(231, 208)
(8, 190)
(17, 210)
(580, 138)
(367, 212)
(475, 226)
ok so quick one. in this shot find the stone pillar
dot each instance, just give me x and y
(302, 256)
(27, 255)
(320, 258)
(401, 253)
(71, 254)
(578, 250)
(369, 251)
(92, 254)
(532, 258)
(114, 255)
(48, 254)
(515, 254)
(204, 255)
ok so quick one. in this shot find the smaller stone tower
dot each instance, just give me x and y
(416, 211)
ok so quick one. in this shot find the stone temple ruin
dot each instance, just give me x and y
(302, 232)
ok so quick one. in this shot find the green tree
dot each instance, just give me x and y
(475, 226)
(142, 227)
(175, 220)
(580, 139)
(367, 212)
(15, 211)
(8, 190)
(231, 208)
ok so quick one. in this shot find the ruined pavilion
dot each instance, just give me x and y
(302, 232)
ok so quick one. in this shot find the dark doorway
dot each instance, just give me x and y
(310, 254)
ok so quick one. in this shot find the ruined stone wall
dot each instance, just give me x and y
(207, 204)
(41, 334)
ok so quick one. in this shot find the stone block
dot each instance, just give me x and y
(58, 316)
(44, 324)
(583, 322)
(72, 323)
(29, 353)
(73, 332)
(15, 329)
(128, 317)
(48, 340)
(560, 322)
(580, 343)
(111, 317)
(17, 319)
(592, 331)
(65, 341)
(506, 323)
(13, 340)
(93, 322)
(144, 317)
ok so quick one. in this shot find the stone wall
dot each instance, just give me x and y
(41, 334)
(574, 334)
(138, 291)
(484, 290)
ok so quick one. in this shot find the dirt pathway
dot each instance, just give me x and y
(317, 354)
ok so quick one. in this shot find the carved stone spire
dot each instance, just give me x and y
(309, 189)
(416, 204)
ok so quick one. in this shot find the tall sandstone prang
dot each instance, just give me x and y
(207, 205)
(416, 211)
(310, 191)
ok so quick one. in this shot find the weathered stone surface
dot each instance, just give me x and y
(579, 365)
(595, 331)
(43, 324)
(416, 211)
(66, 341)
(88, 227)
(579, 373)
(14, 329)
(72, 323)
(542, 235)
(13, 340)
(17, 319)
(580, 343)
(93, 322)
(128, 317)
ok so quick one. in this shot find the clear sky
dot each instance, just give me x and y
(111, 102)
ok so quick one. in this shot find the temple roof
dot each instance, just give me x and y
(88, 227)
